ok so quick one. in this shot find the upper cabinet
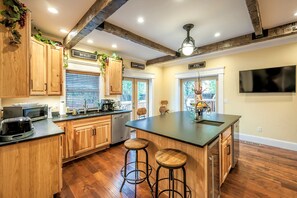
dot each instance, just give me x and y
(45, 69)
(113, 77)
(14, 62)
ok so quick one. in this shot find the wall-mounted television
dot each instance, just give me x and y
(269, 80)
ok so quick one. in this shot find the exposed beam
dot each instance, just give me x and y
(254, 11)
(125, 34)
(96, 15)
(273, 33)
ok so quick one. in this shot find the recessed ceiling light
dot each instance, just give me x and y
(90, 41)
(140, 19)
(63, 31)
(217, 34)
(295, 14)
(114, 46)
(53, 10)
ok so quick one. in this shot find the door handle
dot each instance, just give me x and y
(229, 149)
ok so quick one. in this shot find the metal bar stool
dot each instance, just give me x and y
(136, 144)
(172, 159)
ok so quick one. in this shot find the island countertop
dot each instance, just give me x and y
(181, 126)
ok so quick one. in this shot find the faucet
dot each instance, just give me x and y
(85, 106)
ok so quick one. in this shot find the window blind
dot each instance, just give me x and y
(80, 86)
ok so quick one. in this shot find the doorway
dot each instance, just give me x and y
(135, 95)
(209, 94)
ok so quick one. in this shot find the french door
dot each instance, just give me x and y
(135, 95)
(209, 93)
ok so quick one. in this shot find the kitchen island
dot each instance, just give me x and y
(203, 140)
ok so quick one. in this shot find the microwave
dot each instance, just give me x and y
(35, 112)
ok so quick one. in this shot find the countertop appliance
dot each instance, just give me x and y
(235, 147)
(107, 105)
(119, 131)
(35, 111)
(15, 128)
(213, 173)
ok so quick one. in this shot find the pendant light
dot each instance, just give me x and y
(188, 45)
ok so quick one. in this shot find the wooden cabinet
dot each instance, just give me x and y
(83, 138)
(102, 131)
(38, 63)
(226, 154)
(64, 147)
(14, 62)
(31, 169)
(45, 69)
(113, 77)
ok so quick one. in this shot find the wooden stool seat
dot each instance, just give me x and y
(171, 158)
(136, 144)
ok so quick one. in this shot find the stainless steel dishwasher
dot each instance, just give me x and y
(119, 131)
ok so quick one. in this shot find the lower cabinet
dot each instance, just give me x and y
(226, 154)
(85, 135)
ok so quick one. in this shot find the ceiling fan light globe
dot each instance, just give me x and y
(187, 49)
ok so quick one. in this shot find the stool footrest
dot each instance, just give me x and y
(189, 193)
(137, 180)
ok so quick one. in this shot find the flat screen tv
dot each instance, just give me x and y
(269, 80)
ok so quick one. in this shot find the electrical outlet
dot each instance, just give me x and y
(259, 129)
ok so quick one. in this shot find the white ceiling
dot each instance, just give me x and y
(163, 21)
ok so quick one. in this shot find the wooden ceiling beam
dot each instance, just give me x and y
(96, 15)
(125, 34)
(254, 11)
(273, 33)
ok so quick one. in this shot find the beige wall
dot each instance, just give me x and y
(275, 113)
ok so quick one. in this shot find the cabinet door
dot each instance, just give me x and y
(113, 77)
(54, 70)
(38, 85)
(102, 132)
(226, 158)
(14, 62)
(62, 125)
(83, 139)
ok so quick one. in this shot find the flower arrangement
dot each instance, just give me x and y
(14, 14)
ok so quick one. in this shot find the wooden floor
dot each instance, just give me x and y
(262, 171)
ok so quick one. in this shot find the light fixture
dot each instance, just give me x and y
(53, 10)
(63, 31)
(188, 45)
(217, 34)
(140, 20)
(90, 41)
(114, 46)
(295, 14)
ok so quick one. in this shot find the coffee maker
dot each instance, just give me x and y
(107, 105)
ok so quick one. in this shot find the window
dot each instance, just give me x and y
(82, 86)
(209, 87)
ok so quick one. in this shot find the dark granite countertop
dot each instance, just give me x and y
(42, 129)
(88, 115)
(182, 127)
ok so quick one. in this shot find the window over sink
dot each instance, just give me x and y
(82, 86)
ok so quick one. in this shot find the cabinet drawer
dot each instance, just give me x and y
(226, 134)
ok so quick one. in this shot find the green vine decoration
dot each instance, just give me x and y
(39, 37)
(14, 14)
(103, 60)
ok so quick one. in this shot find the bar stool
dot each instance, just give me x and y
(141, 112)
(171, 159)
(136, 144)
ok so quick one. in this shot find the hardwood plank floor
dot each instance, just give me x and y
(262, 171)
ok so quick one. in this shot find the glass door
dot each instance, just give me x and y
(209, 92)
(135, 95)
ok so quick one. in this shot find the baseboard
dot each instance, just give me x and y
(269, 141)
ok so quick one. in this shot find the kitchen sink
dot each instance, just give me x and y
(210, 122)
